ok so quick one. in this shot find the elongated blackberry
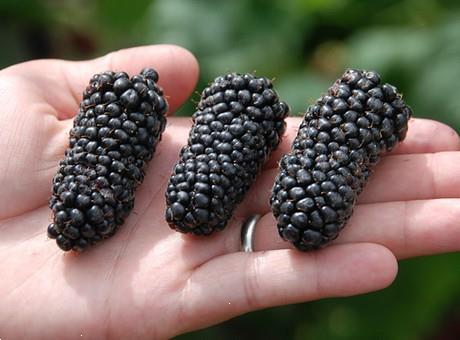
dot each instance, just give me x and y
(238, 122)
(337, 145)
(114, 135)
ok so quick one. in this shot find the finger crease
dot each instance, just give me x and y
(405, 225)
(69, 87)
(251, 282)
(434, 170)
(316, 275)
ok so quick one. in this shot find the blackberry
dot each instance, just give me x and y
(337, 145)
(114, 135)
(238, 122)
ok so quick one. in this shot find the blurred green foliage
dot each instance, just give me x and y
(304, 45)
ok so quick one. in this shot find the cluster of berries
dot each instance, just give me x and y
(238, 123)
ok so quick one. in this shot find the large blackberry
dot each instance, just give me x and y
(114, 134)
(239, 121)
(337, 145)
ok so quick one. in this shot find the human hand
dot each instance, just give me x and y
(148, 281)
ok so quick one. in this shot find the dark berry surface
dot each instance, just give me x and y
(114, 135)
(338, 143)
(238, 122)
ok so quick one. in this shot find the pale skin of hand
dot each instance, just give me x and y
(148, 281)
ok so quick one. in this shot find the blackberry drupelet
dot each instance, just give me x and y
(114, 135)
(238, 122)
(337, 145)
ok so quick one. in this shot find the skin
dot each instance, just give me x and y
(148, 281)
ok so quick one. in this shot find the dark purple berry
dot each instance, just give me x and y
(238, 122)
(115, 133)
(337, 145)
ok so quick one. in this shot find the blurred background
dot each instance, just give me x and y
(304, 45)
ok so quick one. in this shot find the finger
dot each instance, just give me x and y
(407, 229)
(177, 69)
(237, 283)
(423, 136)
(428, 136)
(392, 180)
(414, 177)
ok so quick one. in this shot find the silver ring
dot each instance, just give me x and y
(247, 233)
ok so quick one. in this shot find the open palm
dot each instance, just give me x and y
(149, 281)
